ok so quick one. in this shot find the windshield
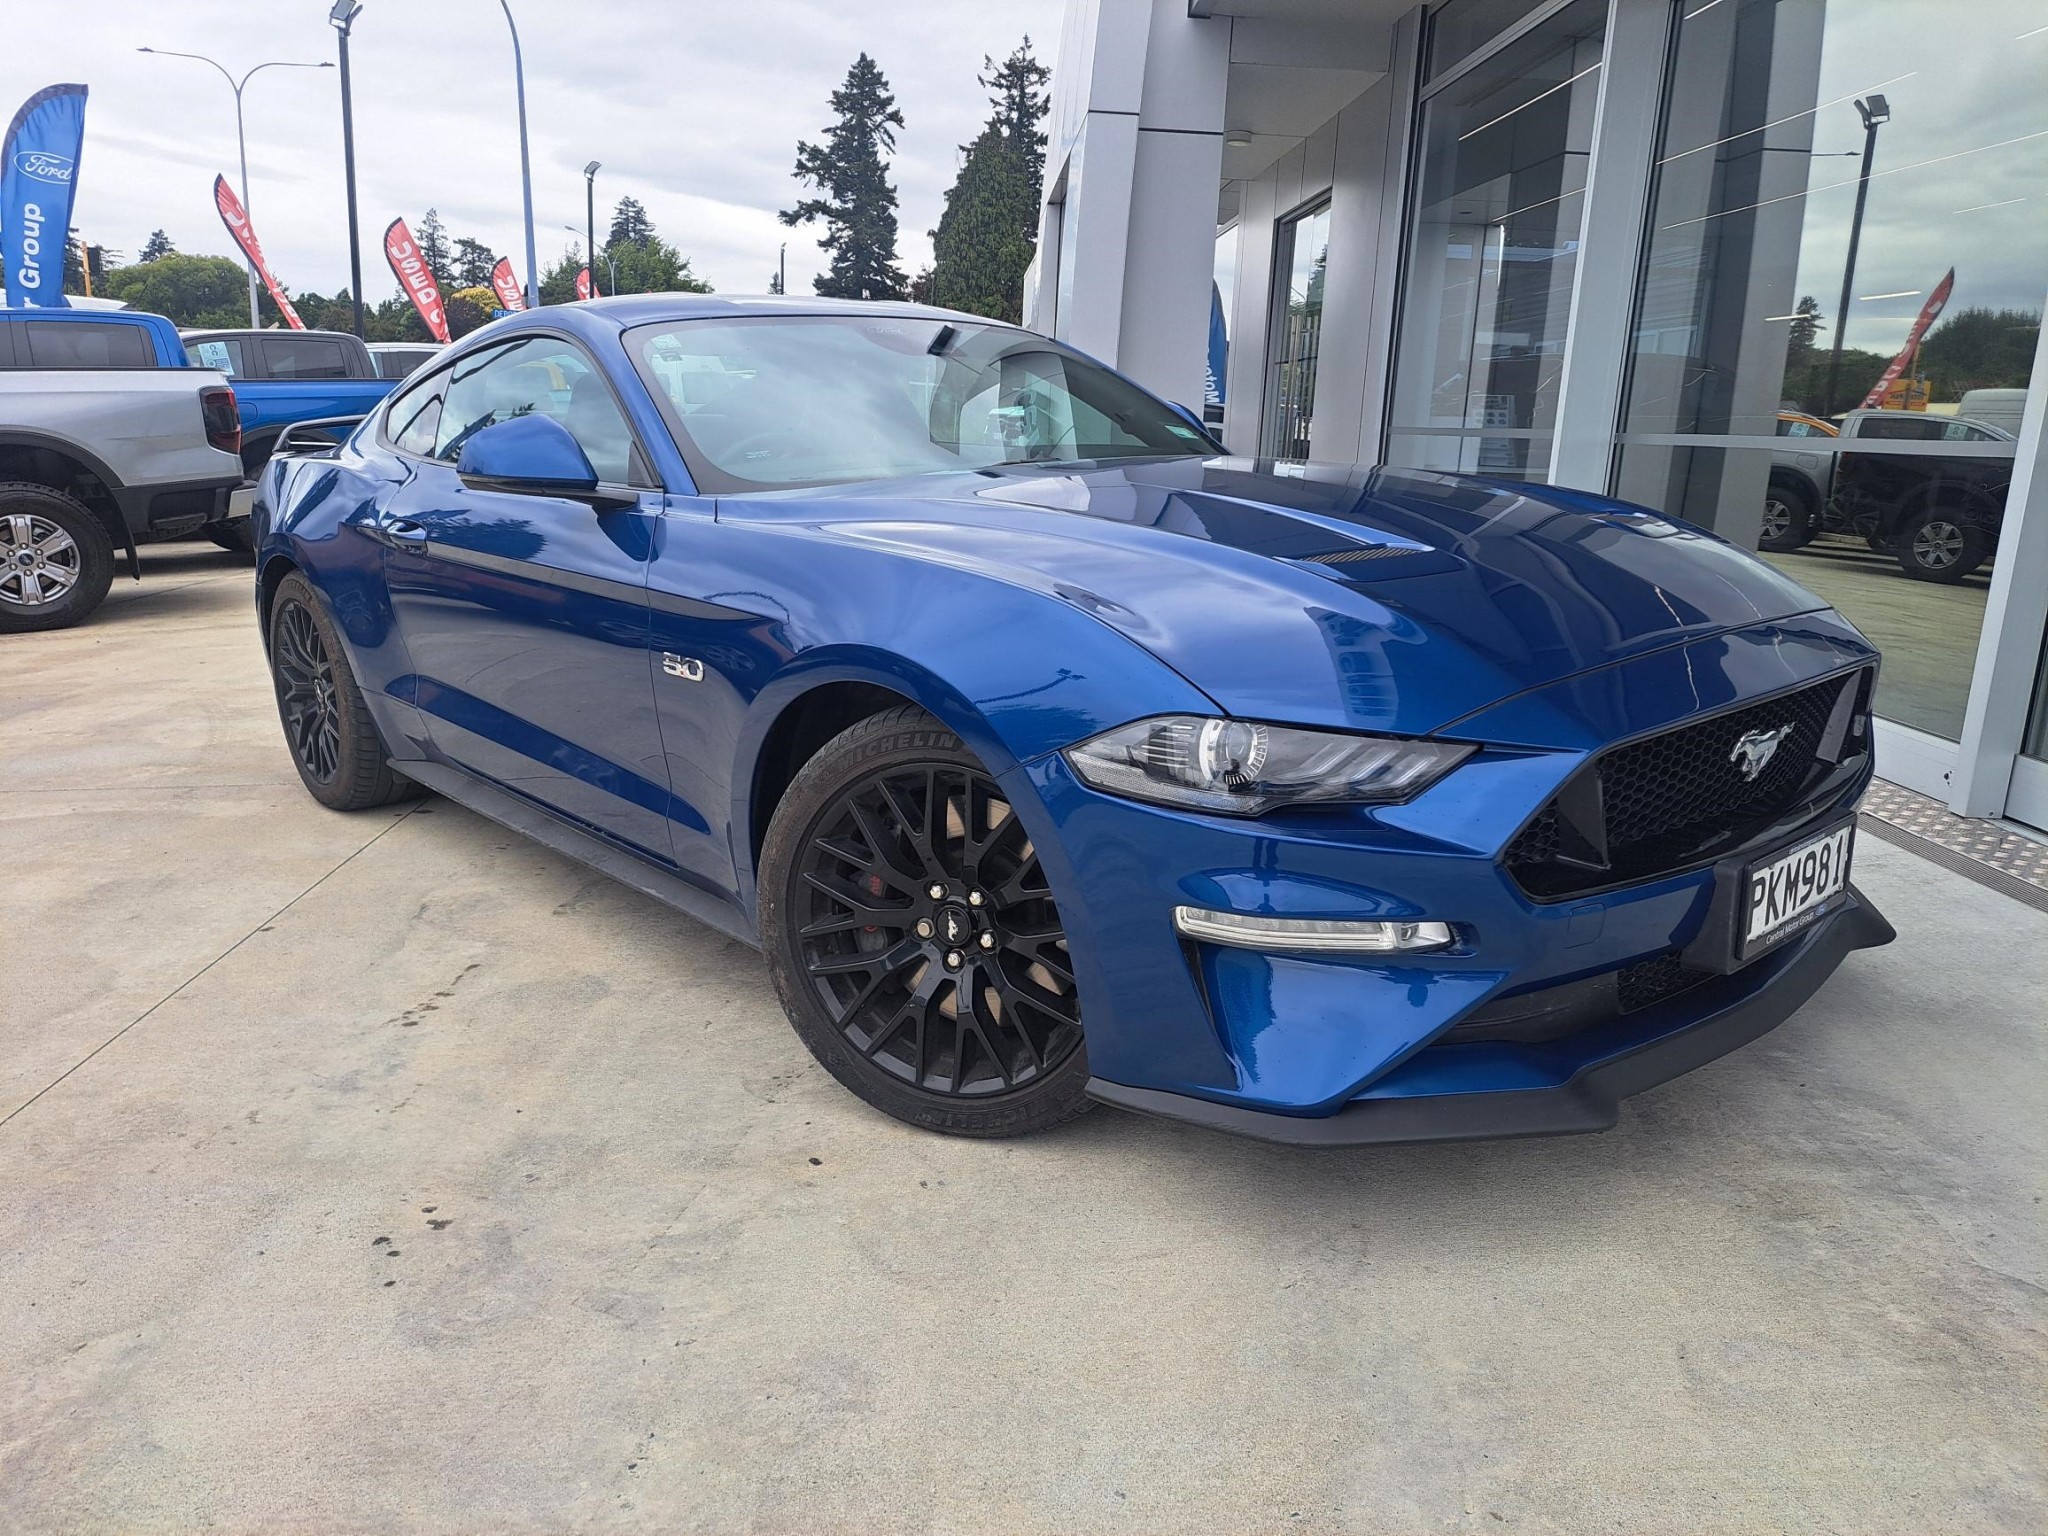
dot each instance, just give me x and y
(774, 402)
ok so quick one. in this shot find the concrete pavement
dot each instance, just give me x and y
(387, 1173)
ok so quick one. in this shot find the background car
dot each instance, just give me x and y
(1049, 754)
(396, 359)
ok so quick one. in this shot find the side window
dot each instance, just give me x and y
(544, 376)
(304, 357)
(85, 344)
(1902, 426)
(414, 416)
(224, 354)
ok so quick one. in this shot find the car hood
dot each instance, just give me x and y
(1364, 599)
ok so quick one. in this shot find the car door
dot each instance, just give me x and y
(526, 615)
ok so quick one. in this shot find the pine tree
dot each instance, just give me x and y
(432, 239)
(1017, 87)
(989, 230)
(158, 244)
(472, 263)
(980, 249)
(630, 225)
(857, 204)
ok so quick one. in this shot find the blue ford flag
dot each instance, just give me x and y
(38, 175)
(1219, 348)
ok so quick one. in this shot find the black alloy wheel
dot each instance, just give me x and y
(341, 759)
(305, 692)
(915, 939)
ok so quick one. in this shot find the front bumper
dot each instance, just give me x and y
(1587, 1096)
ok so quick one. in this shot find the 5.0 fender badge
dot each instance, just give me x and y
(688, 668)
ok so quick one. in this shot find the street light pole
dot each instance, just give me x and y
(590, 218)
(342, 17)
(241, 138)
(1875, 112)
(782, 268)
(525, 160)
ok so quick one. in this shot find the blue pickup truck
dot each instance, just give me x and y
(280, 378)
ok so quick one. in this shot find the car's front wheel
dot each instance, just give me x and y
(341, 759)
(913, 937)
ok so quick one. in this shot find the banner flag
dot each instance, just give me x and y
(583, 283)
(507, 286)
(410, 268)
(1929, 313)
(38, 178)
(236, 217)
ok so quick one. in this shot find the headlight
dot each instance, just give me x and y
(1243, 769)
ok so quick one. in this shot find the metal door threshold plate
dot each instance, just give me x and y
(1988, 852)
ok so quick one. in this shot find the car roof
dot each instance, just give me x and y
(202, 332)
(627, 310)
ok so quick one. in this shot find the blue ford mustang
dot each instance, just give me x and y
(1051, 754)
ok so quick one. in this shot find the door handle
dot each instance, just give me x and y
(402, 534)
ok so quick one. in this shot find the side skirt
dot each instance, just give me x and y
(552, 832)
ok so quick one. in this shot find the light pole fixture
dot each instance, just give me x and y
(590, 218)
(1875, 112)
(525, 160)
(241, 139)
(341, 18)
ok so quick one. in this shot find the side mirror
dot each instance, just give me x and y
(531, 456)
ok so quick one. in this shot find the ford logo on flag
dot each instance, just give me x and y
(44, 166)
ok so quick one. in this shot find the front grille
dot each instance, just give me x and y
(1554, 1013)
(1672, 799)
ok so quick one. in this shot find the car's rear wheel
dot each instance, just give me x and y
(327, 725)
(56, 561)
(913, 937)
(1937, 545)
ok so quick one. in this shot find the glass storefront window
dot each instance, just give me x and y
(1863, 444)
(1302, 253)
(1492, 252)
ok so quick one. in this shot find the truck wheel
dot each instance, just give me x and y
(1936, 545)
(334, 743)
(56, 561)
(1788, 521)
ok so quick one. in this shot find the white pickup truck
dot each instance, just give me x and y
(99, 452)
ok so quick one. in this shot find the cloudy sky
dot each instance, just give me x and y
(693, 106)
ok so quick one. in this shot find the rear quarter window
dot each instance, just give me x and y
(81, 344)
(305, 357)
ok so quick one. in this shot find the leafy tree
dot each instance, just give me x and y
(630, 225)
(857, 204)
(558, 282)
(158, 244)
(432, 239)
(1807, 324)
(193, 291)
(652, 267)
(981, 248)
(395, 320)
(1980, 349)
(989, 230)
(469, 308)
(472, 263)
(1017, 86)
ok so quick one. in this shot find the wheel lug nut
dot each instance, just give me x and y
(936, 891)
(975, 898)
(954, 959)
(988, 941)
(924, 928)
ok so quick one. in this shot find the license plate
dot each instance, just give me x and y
(1793, 891)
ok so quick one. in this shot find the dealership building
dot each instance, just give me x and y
(1610, 245)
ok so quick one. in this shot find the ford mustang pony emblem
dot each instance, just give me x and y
(1755, 749)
